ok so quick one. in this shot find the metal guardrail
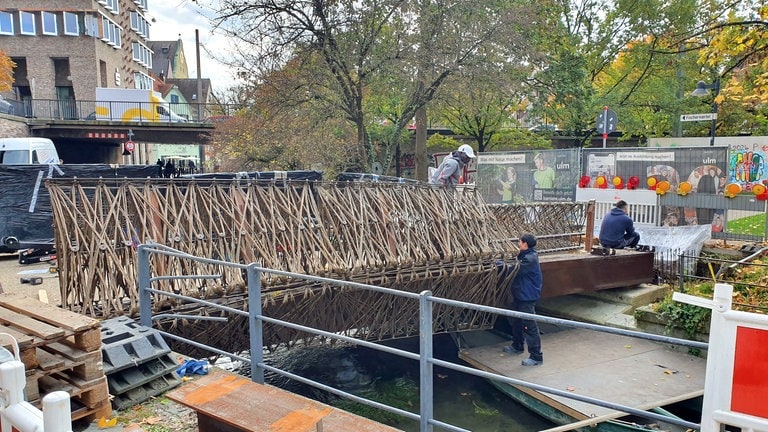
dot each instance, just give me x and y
(425, 417)
(85, 110)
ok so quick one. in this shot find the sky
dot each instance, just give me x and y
(174, 17)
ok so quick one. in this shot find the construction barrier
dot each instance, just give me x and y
(736, 386)
(16, 414)
(137, 362)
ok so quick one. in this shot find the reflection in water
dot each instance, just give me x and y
(460, 399)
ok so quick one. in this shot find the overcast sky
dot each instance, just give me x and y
(174, 17)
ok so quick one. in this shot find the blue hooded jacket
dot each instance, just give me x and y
(614, 226)
(526, 286)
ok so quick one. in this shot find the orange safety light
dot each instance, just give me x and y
(662, 187)
(601, 182)
(618, 182)
(732, 189)
(652, 183)
(684, 188)
(760, 191)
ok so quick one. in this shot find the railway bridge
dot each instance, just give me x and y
(410, 237)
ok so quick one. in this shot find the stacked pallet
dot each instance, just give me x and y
(61, 350)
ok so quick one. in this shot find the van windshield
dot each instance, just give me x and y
(14, 157)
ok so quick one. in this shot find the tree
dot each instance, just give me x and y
(479, 106)
(282, 127)
(619, 54)
(355, 43)
(6, 71)
(734, 48)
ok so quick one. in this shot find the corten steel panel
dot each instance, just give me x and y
(231, 403)
(581, 272)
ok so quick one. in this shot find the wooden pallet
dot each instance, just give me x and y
(61, 350)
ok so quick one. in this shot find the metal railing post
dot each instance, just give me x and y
(145, 297)
(681, 279)
(426, 390)
(255, 324)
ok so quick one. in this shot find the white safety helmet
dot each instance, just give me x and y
(467, 150)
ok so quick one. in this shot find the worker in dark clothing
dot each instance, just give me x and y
(526, 291)
(617, 230)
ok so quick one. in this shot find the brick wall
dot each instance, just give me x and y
(84, 52)
(13, 127)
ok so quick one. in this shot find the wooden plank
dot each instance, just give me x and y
(70, 352)
(22, 339)
(29, 325)
(237, 402)
(628, 371)
(47, 313)
(47, 361)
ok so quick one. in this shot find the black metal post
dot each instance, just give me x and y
(716, 87)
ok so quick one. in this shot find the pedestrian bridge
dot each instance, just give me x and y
(409, 237)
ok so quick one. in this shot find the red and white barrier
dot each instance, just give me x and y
(736, 386)
(18, 415)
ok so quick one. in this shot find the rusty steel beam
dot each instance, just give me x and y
(581, 272)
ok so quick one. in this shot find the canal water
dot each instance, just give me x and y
(460, 399)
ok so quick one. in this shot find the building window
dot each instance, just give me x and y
(6, 23)
(112, 32)
(92, 26)
(49, 23)
(142, 4)
(27, 21)
(112, 5)
(142, 54)
(71, 24)
(142, 81)
(140, 25)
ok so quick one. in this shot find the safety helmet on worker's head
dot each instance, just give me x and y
(467, 150)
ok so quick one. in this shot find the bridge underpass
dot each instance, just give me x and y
(95, 141)
(406, 237)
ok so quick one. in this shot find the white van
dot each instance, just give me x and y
(27, 151)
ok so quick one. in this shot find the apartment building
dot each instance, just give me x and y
(64, 49)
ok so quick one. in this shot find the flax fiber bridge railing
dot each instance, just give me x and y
(401, 236)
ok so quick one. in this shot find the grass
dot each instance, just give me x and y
(751, 225)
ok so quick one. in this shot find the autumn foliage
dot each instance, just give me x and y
(6, 71)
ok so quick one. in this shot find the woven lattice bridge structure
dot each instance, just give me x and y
(402, 236)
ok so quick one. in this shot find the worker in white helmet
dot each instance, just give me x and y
(449, 172)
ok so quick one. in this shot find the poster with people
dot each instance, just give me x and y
(517, 177)
(703, 167)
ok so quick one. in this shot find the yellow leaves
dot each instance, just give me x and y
(103, 423)
(6, 71)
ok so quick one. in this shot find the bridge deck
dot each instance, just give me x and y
(619, 369)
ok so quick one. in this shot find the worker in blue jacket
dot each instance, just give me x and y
(617, 230)
(526, 291)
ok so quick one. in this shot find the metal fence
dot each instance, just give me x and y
(85, 110)
(425, 357)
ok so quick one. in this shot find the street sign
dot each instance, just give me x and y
(130, 146)
(698, 117)
(606, 121)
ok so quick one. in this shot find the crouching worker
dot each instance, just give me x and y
(617, 230)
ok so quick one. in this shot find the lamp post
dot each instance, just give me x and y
(702, 89)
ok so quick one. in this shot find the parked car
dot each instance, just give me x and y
(5, 106)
